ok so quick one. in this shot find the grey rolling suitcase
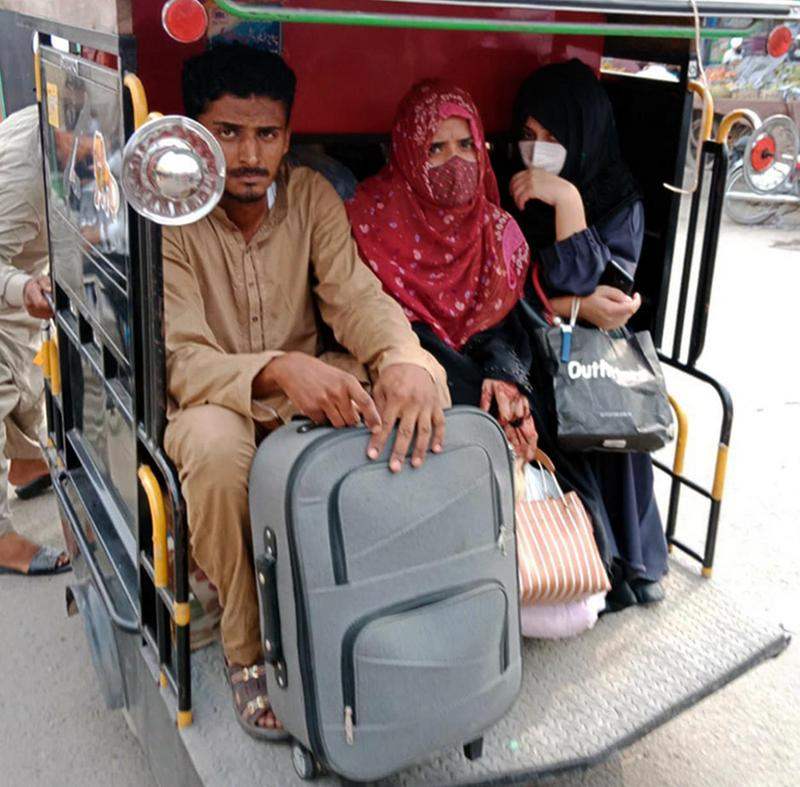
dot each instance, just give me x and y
(389, 603)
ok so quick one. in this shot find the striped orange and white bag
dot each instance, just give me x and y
(557, 557)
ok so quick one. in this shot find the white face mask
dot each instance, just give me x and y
(549, 156)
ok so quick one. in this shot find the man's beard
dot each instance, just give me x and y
(249, 196)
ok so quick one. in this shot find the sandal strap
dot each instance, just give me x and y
(46, 559)
(249, 685)
(245, 674)
(256, 708)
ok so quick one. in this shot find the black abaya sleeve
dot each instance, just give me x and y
(500, 353)
(575, 265)
(504, 352)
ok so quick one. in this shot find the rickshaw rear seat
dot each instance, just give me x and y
(582, 699)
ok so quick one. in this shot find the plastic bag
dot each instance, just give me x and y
(609, 390)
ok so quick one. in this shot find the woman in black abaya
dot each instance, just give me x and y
(579, 208)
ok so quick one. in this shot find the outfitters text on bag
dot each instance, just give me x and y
(603, 369)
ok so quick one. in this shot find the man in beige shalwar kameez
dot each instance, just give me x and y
(246, 291)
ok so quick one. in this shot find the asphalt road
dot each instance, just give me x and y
(54, 728)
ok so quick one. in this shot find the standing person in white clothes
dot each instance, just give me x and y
(23, 306)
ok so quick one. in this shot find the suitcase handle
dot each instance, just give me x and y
(266, 573)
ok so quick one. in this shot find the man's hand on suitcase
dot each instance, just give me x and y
(319, 391)
(406, 393)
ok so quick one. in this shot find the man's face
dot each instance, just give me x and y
(254, 137)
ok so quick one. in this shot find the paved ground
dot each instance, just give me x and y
(54, 728)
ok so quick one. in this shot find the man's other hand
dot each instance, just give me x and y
(407, 394)
(34, 300)
(319, 391)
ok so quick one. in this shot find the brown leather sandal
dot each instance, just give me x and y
(250, 701)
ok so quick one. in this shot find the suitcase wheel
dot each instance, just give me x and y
(474, 749)
(304, 763)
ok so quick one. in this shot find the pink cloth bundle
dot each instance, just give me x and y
(559, 621)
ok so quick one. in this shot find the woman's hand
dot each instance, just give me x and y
(534, 183)
(523, 438)
(514, 415)
(609, 308)
(553, 190)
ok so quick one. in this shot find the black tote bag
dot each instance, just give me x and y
(609, 389)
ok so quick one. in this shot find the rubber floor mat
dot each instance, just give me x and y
(582, 699)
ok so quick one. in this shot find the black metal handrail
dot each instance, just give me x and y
(697, 328)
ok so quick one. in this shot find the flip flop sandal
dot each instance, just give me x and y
(44, 562)
(250, 701)
(34, 488)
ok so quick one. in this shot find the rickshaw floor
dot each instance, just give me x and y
(582, 699)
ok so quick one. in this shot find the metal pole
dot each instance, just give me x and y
(720, 471)
(771, 199)
(708, 253)
(691, 234)
(256, 13)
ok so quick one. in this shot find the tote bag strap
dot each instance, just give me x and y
(549, 314)
(546, 464)
(541, 458)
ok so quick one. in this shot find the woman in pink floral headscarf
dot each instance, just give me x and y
(430, 227)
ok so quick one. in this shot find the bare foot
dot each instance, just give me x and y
(16, 552)
(23, 471)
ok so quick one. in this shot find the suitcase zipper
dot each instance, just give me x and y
(501, 540)
(338, 558)
(304, 651)
(348, 725)
(497, 506)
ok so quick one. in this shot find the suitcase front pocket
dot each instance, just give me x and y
(381, 523)
(416, 665)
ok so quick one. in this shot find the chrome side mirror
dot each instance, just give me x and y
(173, 170)
(771, 154)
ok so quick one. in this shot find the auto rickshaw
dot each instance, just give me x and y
(99, 69)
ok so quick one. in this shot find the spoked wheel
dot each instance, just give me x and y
(737, 136)
(745, 211)
(305, 765)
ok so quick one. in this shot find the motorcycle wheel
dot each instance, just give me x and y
(745, 211)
